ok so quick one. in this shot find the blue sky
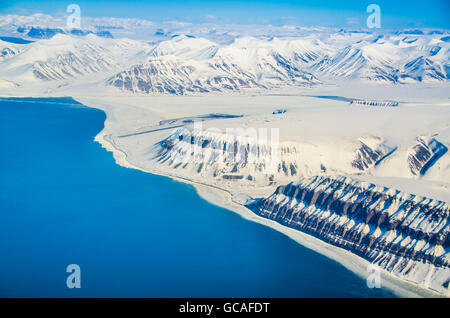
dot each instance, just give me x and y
(395, 14)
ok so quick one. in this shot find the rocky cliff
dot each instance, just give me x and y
(404, 234)
(424, 154)
(214, 155)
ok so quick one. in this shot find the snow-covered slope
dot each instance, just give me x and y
(250, 62)
(188, 65)
(66, 57)
(404, 234)
(185, 64)
(8, 50)
(217, 156)
(390, 58)
(424, 154)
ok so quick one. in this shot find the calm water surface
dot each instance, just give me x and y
(63, 200)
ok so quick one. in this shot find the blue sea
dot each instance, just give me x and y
(64, 200)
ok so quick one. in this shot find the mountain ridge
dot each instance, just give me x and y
(191, 65)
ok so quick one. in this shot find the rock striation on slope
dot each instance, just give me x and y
(372, 151)
(7, 52)
(66, 58)
(71, 65)
(185, 65)
(169, 75)
(258, 158)
(424, 154)
(404, 234)
(374, 103)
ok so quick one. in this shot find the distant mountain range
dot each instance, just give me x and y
(186, 64)
(47, 33)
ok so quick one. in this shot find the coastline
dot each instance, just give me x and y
(223, 198)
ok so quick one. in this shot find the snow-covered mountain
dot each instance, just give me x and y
(202, 63)
(390, 58)
(7, 50)
(258, 63)
(405, 234)
(190, 65)
(346, 125)
(424, 154)
(66, 57)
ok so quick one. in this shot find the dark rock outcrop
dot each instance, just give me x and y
(404, 234)
(424, 154)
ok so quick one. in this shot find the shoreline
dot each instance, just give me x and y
(223, 198)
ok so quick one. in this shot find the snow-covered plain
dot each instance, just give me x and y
(373, 106)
